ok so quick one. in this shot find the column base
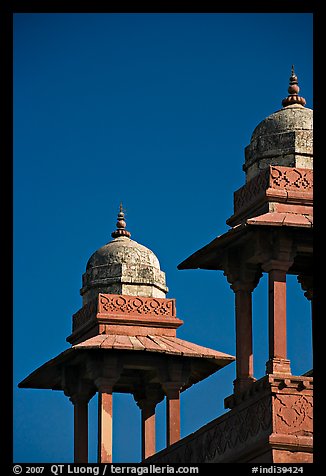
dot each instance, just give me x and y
(240, 384)
(278, 366)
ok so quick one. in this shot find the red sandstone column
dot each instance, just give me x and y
(172, 391)
(147, 398)
(278, 362)
(104, 421)
(148, 429)
(80, 403)
(244, 350)
(243, 280)
(81, 432)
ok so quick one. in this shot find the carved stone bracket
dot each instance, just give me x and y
(76, 385)
(148, 395)
(306, 285)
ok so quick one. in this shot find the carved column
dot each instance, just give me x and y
(105, 387)
(147, 402)
(243, 281)
(277, 335)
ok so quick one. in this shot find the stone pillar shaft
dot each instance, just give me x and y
(172, 416)
(278, 362)
(105, 425)
(244, 352)
(243, 281)
(81, 431)
(148, 431)
(277, 313)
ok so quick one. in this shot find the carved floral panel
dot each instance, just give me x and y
(136, 305)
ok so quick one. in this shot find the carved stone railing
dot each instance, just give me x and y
(124, 306)
(276, 412)
(86, 313)
(119, 313)
(276, 178)
(135, 305)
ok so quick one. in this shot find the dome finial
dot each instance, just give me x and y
(293, 90)
(121, 225)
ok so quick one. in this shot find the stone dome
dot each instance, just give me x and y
(290, 118)
(123, 250)
(123, 266)
(283, 138)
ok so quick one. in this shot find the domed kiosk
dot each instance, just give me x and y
(270, 232)
(124, 336)
(124, 340)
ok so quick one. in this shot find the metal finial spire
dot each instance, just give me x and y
(121, 225)
(293, 91)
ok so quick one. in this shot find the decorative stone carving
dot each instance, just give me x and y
(274, 405)
(277, 178)
(291, 178)
(117, 304)
(224, 434)
(123, 307)
(293, 414)
(251, 190)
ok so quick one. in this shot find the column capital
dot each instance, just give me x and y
(174, 371)
(104, 384)
(148, 396)
(82, 396)
(277, 265)
(242, 277)
(172, 389)
(281, 253)
(74, 386)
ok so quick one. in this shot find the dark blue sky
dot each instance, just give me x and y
(153, 110)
